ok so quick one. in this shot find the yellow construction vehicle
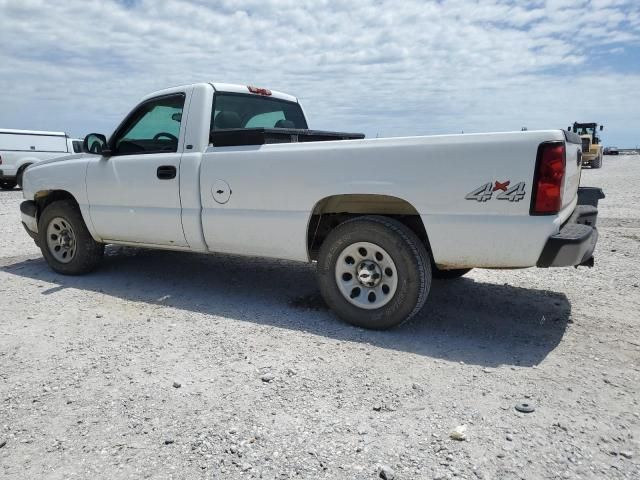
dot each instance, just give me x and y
(591, 148)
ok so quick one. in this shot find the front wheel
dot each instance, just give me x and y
(7, 185)
(374, 272)
(65, 242)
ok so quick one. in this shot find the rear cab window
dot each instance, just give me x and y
(238, 110)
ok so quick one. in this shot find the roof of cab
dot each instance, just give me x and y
(235, 88)
(220, 87)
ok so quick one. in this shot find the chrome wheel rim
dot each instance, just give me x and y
(61, 240)
(366, 275)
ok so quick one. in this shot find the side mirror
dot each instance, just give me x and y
(96, 143)
(569, 128)
(601, 127)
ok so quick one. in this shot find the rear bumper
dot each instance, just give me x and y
(7, 175)
(574, 244)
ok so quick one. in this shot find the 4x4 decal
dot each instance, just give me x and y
(485, 193)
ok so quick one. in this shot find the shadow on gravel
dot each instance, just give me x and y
(464, 320)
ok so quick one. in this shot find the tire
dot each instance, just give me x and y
(363, 248)
(20, 173)
(83, 252)
(597, 162)
(7, 185)
(449, 274)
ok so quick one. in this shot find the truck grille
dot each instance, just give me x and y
(586, 143)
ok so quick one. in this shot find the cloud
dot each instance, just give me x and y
(388, 68)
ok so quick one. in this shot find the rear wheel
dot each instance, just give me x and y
(449, 274)
(65, 242)
(7, 185)
(374, 272)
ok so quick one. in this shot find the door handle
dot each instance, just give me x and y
(166, 172)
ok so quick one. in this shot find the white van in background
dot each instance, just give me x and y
(21, 148)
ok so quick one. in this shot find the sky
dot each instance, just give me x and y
(385, 68)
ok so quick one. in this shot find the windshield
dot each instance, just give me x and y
(236, 110)
(585, 130)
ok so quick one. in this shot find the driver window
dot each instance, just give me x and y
(153, 128)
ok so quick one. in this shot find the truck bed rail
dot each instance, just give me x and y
(259, 136)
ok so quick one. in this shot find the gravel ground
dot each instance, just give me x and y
(168, 365)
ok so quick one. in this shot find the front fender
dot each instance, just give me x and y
(67, 174)
(25, 161)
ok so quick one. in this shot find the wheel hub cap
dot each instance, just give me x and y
(65, 239)
(366, 275)
(61, 240)
(369, 273)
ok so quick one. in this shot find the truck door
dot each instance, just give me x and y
(134, 194)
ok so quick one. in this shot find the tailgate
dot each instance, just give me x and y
(573, 168)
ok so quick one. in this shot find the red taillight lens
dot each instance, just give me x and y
(549, 179)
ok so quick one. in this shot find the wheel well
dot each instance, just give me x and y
(22, 168)
(46, 197)
(330, 212)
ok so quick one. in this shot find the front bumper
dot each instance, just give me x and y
(29, 214)
(574, 244)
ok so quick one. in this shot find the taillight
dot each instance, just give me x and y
(548, 179)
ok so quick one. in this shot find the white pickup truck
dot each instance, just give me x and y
(226, 168)
(21, 148)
